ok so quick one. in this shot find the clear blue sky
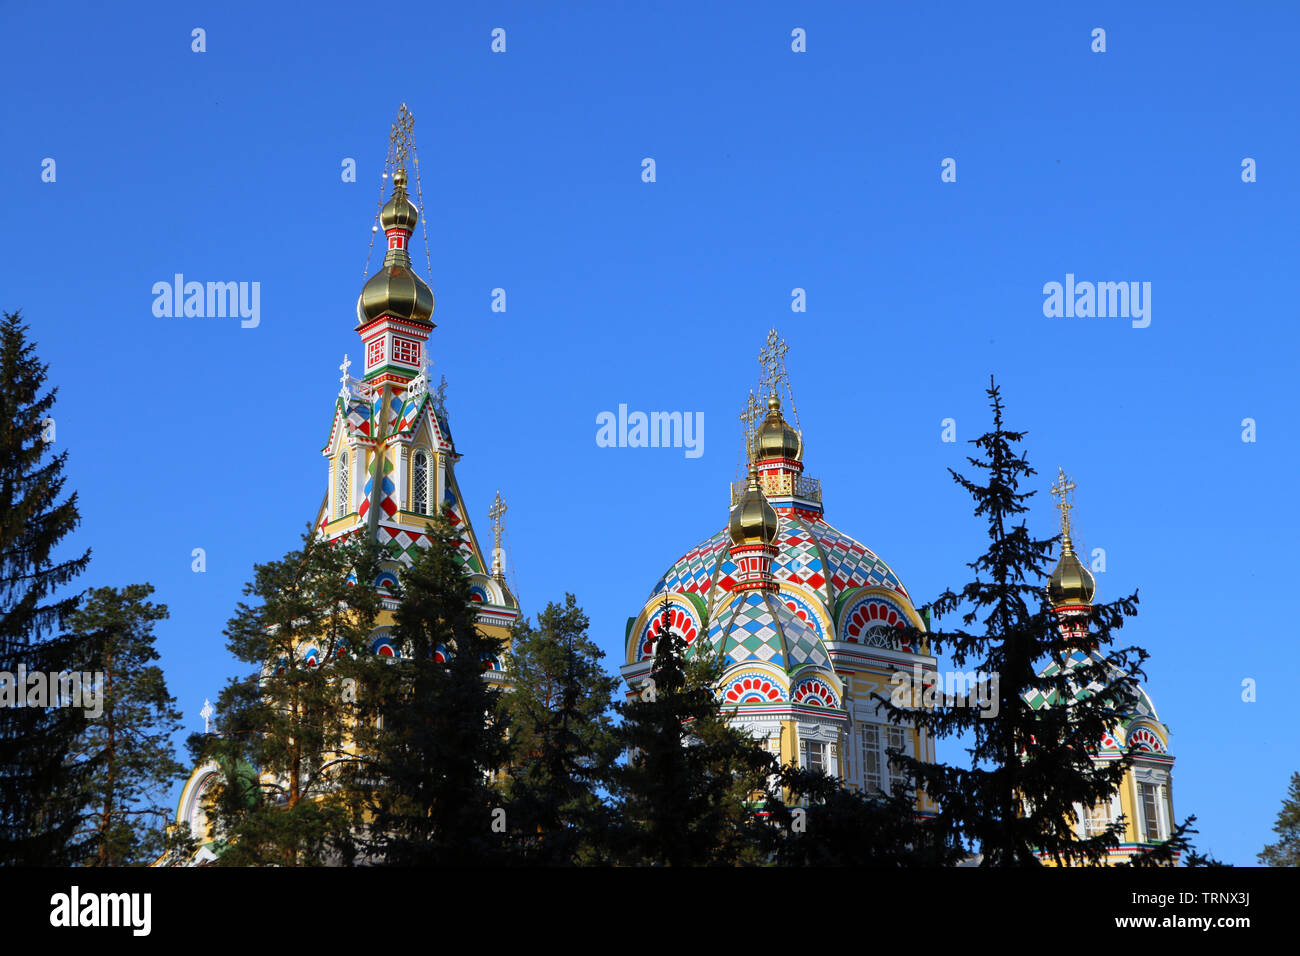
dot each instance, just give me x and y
(775, 170)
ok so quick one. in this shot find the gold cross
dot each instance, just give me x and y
(772, 359)
(399, 140)
(495, 512)
(1062, 490)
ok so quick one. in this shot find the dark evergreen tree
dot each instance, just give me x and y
(39, 779)
(1031, 767)
(1286, 851)
(692, 789)
(285, 732)
(562, 742)
(833, 826)
(130, 741)
(440, 734)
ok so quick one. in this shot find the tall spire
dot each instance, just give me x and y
(395, 290)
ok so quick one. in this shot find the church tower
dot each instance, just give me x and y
(1145, 797)
(390, 456)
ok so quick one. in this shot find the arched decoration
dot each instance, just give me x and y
(808, 607)
(751, 687)
(1108, 742)
(386, 579)
(484, 590)
(684, 619)
(311, 656)
(442, 654)
(381, 643)
(281, 666)
(815, 692)
(342, 498)
(875, 618)
(420, 472)
(1146, 741)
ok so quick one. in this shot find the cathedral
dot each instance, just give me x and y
(811, 624)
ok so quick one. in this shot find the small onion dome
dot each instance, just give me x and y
(752, 519)
(1071, 583)
(399, 212)
(777, 438)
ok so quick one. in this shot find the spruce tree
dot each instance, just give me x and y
(129, 742)
(692, 788)
(835, 826)
(435, 733)
(1286, 851)
(39, 779)
(285, 732)
(561, 739)
(1032, 769)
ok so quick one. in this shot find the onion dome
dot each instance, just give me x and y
(395, 289)
(1071, 583)
(753, 520)
(775, 437)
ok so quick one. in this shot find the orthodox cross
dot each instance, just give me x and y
(748, 416)
(772, 359)
(495, 513)
(343, 367)
(399, 140)
(1062, 490)
(206, 713)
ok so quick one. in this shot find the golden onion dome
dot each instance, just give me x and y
(753, 521)
(777, 438)
(399, 212)
(1071, 583)
(395, 289)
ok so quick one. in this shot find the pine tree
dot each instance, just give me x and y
(692, 789)
(39, 780)
(285, 732)
(561, 739)
(1032, 769)
(834, 826)
(1286, 851)
(129, 742)
(440, 735)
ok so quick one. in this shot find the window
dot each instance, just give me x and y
(406, 351)
(374, 352)
(420, 483)
(341, 497)
(871, 758)
(898, 781)
(1097, 820)
(877, 769)
(1147, 797)
(812, 755)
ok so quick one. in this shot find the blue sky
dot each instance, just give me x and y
(775, 170)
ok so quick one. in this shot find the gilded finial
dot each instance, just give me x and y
(496, 512)
(399, 142)
(772, 359)
(1062, 490)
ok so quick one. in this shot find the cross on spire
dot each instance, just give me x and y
(343, 367)
(207, 714)
(772, 359)
(748, 416)
(1062, 489)
(399, 140)
(496, 512)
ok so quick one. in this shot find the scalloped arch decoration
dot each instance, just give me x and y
(752, 688)
(816, 692)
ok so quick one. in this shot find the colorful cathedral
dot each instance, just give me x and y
(811, 624)
(389, 456)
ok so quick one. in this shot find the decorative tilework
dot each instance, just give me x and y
(753, 687)
(815, 691)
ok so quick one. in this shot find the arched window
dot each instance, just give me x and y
(341, 496)
(420, 483)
